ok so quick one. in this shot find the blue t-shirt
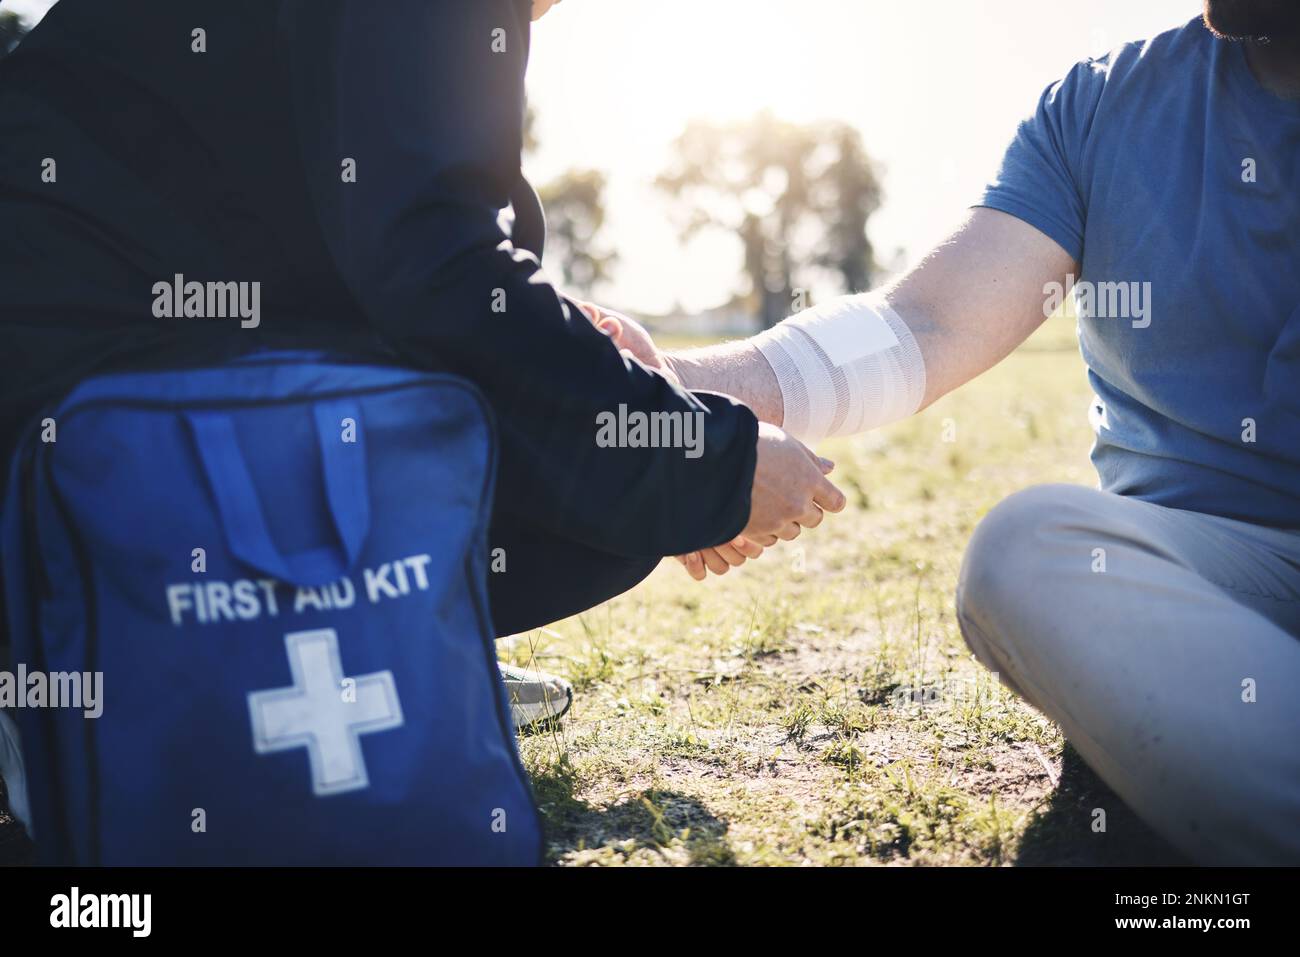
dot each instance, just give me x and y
(1173, 178)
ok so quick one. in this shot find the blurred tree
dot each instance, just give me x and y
(575, 215)
(796, 197)
(12, 29)
(530, 129)
(849, 193)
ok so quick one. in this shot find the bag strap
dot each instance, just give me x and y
(346, 488)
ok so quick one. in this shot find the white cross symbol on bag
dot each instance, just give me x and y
(313, 713)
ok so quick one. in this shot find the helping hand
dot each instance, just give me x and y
(630, 338)
(722, 558)
(791, 493)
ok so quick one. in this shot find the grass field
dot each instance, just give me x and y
(819, 706)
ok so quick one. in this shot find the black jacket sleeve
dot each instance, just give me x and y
(427, 99)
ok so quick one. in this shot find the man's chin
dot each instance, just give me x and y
(1253, 20)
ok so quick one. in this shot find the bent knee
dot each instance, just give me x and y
(1014, 549)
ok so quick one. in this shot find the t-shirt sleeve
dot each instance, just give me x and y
(1040, 178)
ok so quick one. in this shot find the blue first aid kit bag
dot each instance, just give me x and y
(269, 578)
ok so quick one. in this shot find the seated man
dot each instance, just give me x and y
(1157, 620)
(352, 162)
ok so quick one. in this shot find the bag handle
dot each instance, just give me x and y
(346, 489)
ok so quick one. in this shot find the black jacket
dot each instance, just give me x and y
(226, 165)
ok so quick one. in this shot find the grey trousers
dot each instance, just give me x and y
(1166, 644)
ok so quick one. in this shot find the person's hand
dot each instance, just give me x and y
(791, 493)
(630, 338)
(541, 6)
(722, 558)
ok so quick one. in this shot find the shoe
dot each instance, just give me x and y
(535, 696)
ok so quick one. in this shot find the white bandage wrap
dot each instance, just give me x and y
(845, 366)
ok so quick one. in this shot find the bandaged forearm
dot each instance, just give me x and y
(845, 366)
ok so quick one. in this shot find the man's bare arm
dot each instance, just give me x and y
(968, 304)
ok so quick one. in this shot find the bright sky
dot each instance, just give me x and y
(935, 86)
(30, 9)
